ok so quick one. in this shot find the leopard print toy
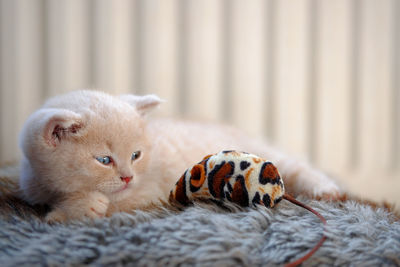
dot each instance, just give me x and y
(239, 177)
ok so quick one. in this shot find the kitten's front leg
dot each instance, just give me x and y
(78, 205)
(298, 176)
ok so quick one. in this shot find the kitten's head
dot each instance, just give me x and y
(86, 141)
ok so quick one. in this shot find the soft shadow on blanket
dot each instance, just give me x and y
(204, 234)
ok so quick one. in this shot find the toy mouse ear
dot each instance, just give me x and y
(61, 124)
(143, 104)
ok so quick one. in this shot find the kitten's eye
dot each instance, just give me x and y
(135, 155)
(104, 160)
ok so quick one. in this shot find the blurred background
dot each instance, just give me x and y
(317, 78)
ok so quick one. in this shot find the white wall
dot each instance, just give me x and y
(320, 78)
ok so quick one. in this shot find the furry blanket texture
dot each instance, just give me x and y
(204, 234)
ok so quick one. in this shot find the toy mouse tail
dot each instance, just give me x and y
(321, 241)
(298, 203)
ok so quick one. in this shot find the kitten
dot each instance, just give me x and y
(87, 153)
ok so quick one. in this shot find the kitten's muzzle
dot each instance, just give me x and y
(126, 179)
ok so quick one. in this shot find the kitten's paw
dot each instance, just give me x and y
(330, 191)
(97, 205)
(55, 216)
(323, 187)
(314, 184)
(79, 205)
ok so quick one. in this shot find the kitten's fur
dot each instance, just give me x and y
(61, 141)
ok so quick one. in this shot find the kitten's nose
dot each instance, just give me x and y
(126, 179)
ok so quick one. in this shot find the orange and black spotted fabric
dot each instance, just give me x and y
(239, 177)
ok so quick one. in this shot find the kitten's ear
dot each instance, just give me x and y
(60, 124)
(143, 104)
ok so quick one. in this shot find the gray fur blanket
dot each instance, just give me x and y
(204, 234)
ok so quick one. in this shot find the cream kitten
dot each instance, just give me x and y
(90, 154)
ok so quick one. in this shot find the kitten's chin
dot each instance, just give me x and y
(123, 188)
(121, 193)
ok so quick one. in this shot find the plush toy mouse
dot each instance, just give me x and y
(239, 177)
